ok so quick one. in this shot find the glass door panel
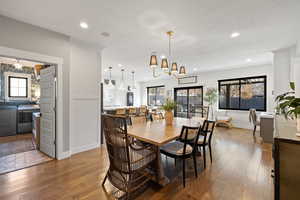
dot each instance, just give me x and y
(195, 102)
(189, 102)
(182, 103)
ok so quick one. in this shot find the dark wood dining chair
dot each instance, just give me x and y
(253, 120)
(205, 138)
(182, 149)
(128, 161)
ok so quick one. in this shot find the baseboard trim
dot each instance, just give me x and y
(63, 155)
(84, 148)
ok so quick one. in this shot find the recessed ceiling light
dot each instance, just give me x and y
(248, 60)
(105, 34)
(84, 25)
(120, 65)
(235, 34)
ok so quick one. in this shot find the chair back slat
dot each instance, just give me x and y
(252, 116)
(117, 142)
(143, 109)
(132, 111)
(207, 130)
(121, 111)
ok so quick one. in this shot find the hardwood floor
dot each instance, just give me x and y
(16, 144)
(240, 170)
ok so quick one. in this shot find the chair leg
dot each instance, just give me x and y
(195, 164)
(209, 146)
(254, 130)
(204, 157)
(199, 150)
(103, 182)
(183, 172)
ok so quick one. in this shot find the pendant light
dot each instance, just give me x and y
(133, 87)
(182, 70)
(18, 65)
(110, 85)
(122, 86)
(170, 70)
(247, 90)
(174, 68)
(153, 60)
(164, 64)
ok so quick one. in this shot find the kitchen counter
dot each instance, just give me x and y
(28, 107)
(3, 107)
(286, 129)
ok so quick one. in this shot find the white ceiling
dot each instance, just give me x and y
(202, 29)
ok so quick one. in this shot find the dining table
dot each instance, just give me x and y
(158, 133)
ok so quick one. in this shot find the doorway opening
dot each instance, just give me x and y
(189, 102)
(27, 113)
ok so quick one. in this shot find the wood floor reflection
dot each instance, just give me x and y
(241, 170)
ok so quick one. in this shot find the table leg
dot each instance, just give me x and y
(161, 178)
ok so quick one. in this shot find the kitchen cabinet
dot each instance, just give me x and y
(286, 154)
(25, 117)
(8, 120)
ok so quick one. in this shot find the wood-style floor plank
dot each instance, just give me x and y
(240, 170)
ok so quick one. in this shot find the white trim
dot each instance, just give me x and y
(64, 155)
(16, 53)
(85, 98)
(84, 148)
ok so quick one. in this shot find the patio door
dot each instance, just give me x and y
(189, 102)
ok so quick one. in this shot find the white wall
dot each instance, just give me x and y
(22, 36)
(210, 79)
(282, 71)
(81, 102)
(84, 96)
(286, 69)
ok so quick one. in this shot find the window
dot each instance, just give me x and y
(189, 102)
(156, 95)
(17, 87)
(243, 93)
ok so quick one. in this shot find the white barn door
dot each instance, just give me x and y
(47, 106)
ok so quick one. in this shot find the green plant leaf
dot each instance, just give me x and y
(292, 85)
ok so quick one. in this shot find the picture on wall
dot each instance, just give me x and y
(187, 80)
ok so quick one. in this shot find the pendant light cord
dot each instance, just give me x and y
(170, 46)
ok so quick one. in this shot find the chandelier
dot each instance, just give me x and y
(170, 70)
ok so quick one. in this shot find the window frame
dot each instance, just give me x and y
(151, 87)
(239, 84)
(9, 88)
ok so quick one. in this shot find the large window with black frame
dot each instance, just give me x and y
(243, 93)
(156, 95)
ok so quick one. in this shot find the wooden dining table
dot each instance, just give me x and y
(158, 133)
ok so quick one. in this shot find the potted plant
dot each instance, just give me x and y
(289, 105)
(211, 98)
(168, 107)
